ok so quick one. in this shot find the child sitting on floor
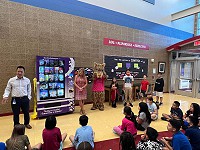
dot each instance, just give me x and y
(127, 141)
(153, 108)
(179, 141)
(83, 134)
(193, 132)
(52, 138)
(84, 146)
(176, 112)
(128, 123)
(144, 117)
(149, 140)
(193, 111)
(20, 141)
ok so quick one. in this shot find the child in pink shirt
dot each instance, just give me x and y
(128, 123)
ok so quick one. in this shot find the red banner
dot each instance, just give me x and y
(113, 42)
(196, 43)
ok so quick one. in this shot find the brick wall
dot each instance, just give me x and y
(27, 31)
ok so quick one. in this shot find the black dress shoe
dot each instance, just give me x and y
(28, 126)
(131, 104)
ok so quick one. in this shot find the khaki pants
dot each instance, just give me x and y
(128, 94)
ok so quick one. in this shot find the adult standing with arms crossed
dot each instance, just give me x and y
(20, 89)
(159, 84)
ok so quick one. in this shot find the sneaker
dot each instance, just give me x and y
(131, 104)
(28, 126)
(160, 104)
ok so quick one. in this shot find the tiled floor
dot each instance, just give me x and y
(101, 121)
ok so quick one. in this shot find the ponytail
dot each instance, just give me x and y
(132, 118)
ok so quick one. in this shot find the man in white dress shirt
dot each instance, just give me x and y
(20, 89)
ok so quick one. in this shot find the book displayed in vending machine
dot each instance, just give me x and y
(55, 86)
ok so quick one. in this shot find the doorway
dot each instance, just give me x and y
(187, 82)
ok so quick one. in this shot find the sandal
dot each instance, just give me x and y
(83, 112)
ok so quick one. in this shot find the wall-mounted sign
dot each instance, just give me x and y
(119, 43)
(116, 66)
(196, 43)
(184, 84)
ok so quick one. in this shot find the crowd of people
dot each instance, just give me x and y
(84, 136)
(149, 140)
(131, 123)
(142, 92)
(52, 137)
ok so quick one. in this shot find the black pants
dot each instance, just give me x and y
(143, 94)
(139, 127)
(23, 103)
(114, 103)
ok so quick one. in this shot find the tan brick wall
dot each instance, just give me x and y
(27, 31)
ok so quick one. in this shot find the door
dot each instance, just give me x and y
(198, 79)
(173, 73)
(185, 84)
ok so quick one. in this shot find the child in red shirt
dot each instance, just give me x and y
(52, 138)
(144, 87)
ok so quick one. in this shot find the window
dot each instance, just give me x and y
(150, 1)
(198, 24)
(198, 21)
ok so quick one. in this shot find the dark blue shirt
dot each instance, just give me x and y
(180, 142)
(193, 133)
(177, 112)
(2, 146)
